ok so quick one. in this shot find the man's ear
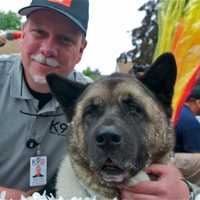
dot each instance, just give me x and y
(65, 91)
(81, 50)
(198, 103)
(83, 46)
(161, 78)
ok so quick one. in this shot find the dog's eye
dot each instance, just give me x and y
(131, 106)
(91, 109)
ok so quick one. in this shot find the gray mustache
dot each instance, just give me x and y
(45, 60)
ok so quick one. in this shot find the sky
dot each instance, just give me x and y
(109, 30)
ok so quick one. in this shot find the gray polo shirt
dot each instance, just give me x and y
(21, 120)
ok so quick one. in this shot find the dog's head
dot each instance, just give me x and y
(121, 124)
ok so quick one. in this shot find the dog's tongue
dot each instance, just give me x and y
(112, 178)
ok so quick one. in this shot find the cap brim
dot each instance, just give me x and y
(26, 11)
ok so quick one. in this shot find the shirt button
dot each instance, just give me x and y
(31, 143)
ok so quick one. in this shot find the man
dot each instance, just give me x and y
(188, 126)
(32, 123)
(33, 126)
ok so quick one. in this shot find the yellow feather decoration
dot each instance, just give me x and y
(179, 33)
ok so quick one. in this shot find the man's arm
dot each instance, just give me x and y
(16, 194)
(189, 165)
(12, 193)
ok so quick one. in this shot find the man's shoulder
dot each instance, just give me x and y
(186, 113)
(188, 120)
(8, 57)
(80, 77)
(7, 61)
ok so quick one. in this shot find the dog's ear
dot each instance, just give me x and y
(160, 79)
(66, 92)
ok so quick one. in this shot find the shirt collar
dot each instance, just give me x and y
(18, 87)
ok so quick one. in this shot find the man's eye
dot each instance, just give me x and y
(38, 33)
(66, 40)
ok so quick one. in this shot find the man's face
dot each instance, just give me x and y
(197, 106)
(50, 43)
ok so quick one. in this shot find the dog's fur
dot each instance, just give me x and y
(120, 125)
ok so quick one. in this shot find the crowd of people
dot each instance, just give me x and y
(32, 123)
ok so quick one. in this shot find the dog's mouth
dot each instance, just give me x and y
(112, 173)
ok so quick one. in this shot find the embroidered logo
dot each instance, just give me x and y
(63, 2)
(58, 128)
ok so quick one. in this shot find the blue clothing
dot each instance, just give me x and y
(187, 132)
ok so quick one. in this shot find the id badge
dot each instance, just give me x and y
(38, 171)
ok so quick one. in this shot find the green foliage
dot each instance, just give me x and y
(9, 21)
(144, 37)
(92, 74)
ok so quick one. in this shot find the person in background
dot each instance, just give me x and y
(3, 41)
(188, 127)
(9, 35)
(33, 126)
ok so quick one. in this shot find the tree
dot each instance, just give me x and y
(144, 38)
(9, 21)
(92, 74)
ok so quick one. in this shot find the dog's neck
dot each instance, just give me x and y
(90, 182)
(94, 187)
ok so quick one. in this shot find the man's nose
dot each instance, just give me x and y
(49, 48)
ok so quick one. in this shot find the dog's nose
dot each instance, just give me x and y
(108, 136)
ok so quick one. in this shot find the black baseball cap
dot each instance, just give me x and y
(75, 10)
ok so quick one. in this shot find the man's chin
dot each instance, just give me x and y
(39, 79)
